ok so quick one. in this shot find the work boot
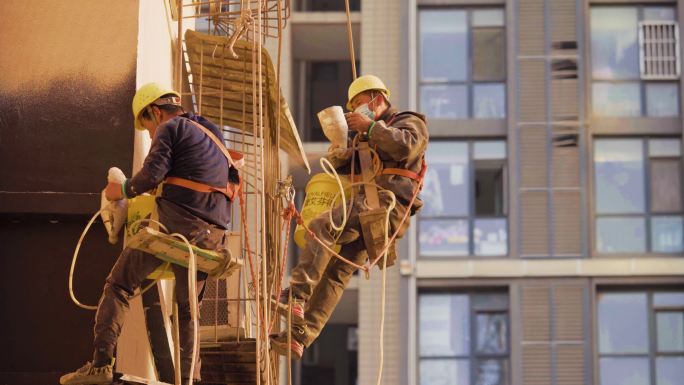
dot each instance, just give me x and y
(280, 346)
(89, 375)
(283, 305)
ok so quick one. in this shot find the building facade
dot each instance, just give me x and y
(550, 249)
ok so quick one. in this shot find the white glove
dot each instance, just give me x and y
(337, 155)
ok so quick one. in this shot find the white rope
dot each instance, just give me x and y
(73, 264)
(330, 170)
(383, 291)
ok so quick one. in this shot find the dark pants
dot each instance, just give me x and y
(133, 266)
(319, 279)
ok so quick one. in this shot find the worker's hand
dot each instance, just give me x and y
(357, 121)
(338, 155)
(113, 191)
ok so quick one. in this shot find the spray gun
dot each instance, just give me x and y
(334, 126)
(114, 213)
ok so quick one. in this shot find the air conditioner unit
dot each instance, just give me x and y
(659, 50)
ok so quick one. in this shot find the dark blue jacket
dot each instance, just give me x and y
(181, 149)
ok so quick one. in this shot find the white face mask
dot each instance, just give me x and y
(365, 109)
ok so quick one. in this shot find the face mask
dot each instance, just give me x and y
(365, 110)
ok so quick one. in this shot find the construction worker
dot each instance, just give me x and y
(318, 281)
(180, 151)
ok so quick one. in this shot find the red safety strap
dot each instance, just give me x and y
(408, 173)
(229, 191)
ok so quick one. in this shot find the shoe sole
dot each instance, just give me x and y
(297, 311)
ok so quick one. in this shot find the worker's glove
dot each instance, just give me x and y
(358, 122)
(339, 156)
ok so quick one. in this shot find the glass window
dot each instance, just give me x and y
(618, 90)
(447, 185)
(666, 234)
(630, 324)
(616, 99)
(662, 99)
(620, 235)
(444, 102)
(619, 168)
(454, 351)
(489, 101)
(669, 370)
(666, 192)
(325, 5)
(667, 299)
(443, 39)
(614, 46)
(444, 325)
(489, 55)
(659, 13)
(626, 172)
(443, 238)
(462, 63)
(670, 331)
(617, 336)
(464, 197)
(624, 370)
(490, 237)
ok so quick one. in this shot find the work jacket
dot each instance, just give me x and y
(400, 139)
(181, 149)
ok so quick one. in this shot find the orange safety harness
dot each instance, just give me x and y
(235, 159)
(417, 176)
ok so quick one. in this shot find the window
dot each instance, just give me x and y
(638, 195)
(641, 337)
(462, 63)
(326, 5)
(464, 199)
(325, 85)
(463, 339)
(618, 89)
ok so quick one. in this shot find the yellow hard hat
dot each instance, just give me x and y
(148, 94)
(366, 83)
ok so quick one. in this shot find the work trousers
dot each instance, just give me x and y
(319, 279)
(133, 266)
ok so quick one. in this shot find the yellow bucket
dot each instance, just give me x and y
(141, 207)
(320, 192)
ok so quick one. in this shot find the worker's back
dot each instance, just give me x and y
(181, 149)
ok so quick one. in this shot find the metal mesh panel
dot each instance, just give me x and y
(214, 310)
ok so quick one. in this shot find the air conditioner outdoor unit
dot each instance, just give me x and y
(659, 50)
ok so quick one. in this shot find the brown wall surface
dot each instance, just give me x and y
(68, 75)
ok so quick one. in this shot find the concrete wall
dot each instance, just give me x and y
(68, 76)
(381, 32)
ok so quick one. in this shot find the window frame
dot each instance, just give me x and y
(647, 215)
(608, 124)
(490, 126)
(471, 218)
(473, 357)
(652, 310)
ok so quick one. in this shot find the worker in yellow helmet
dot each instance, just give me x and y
(318, 281)
(195, 202)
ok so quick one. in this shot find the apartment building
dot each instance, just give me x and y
(550, 247)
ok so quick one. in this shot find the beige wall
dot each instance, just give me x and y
(380, 50)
